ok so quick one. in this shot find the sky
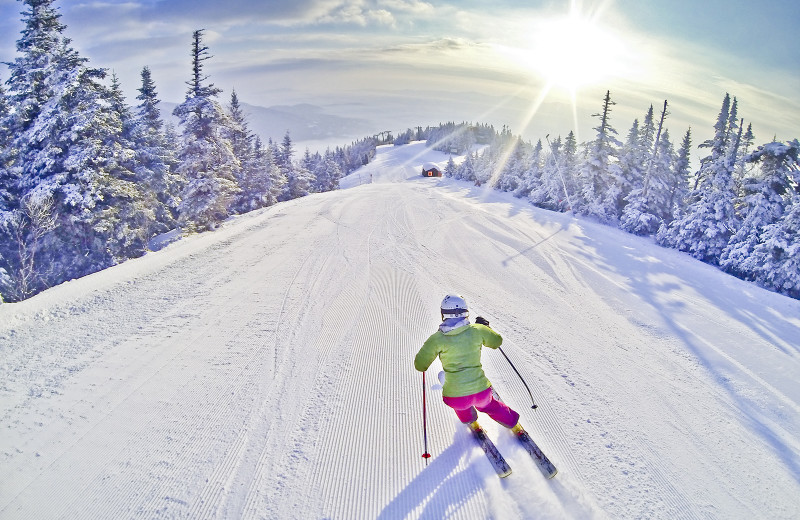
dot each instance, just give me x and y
(539, 67)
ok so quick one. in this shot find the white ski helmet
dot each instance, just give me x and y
(454, 306)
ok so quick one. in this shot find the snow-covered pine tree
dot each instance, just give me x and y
(261, 183)
(284, 159)
(405, 137)
(309, 162)
(532, 175)
(647, 135)
(156, 159)
(299, 183)
(678, 182)
(450, 167)
(277, 176)
(709, 219)
(63, 134)
(600, 172)
(207, 160)
(548, 191)
(466, 170)
(768, 194)
(284, 154)
(777, 257)
(633, 162)
(649, 207)
(239, 132)
(647, 203)
(5, 156)
(569, 171)
(718, 144)
(743, 167)
(125, 211)
(242, 142)
(514, 158)
(5, 196)
(298, 178)
(327, 173)
(733, 133)
(5, 111)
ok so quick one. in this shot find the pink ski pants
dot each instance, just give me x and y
(465, 408)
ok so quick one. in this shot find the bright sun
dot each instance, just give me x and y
(567, 53)
(572, 51)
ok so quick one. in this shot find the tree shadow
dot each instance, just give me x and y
(739, 300)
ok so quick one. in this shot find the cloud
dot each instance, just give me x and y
(290, 51)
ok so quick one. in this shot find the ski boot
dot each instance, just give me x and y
(518, 430)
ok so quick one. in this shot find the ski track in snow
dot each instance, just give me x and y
(264, 370)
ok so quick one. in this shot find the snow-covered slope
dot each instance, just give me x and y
(265, 370)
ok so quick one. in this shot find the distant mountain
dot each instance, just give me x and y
(305, 123)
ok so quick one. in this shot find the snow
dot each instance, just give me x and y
(264, 370)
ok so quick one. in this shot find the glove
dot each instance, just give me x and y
(482, 320)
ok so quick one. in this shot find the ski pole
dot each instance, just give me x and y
(425, 455)
(535, 406)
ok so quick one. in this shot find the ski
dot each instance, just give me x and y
(545, 466)
(542, 462)
(497, 461)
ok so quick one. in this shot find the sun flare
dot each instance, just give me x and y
(572, 51)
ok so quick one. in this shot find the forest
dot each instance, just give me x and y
(740, 211)
(87, 180)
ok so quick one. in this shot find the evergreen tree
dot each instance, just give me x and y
(299, 183)
(63, 132)
(532, 176)
(298, 179)
(767, 199)
(277, 175)
(450, 167)
(600, 172)
(743, 166)
(6, 155)
(242, 144)
(466, 170)
(678, 182)
(633, 162)
(156, 159)
(515, 165)
(568, 171)
(326, 172)
(717, 145)
(777, 256)
(284, 158)
(258, 186)
(648, 202)
(126, 210)
(649, 206)
(548, 192)
(208, 162)
(240, 136)
(710, 219)
(646, 136)
(286, 153)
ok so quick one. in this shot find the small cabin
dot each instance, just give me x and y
(431, 170)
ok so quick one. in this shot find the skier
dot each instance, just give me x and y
(458, 345)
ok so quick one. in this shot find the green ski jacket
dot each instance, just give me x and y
(460, 353)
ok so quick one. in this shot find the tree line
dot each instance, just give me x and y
(739, 211)
(86, 180)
